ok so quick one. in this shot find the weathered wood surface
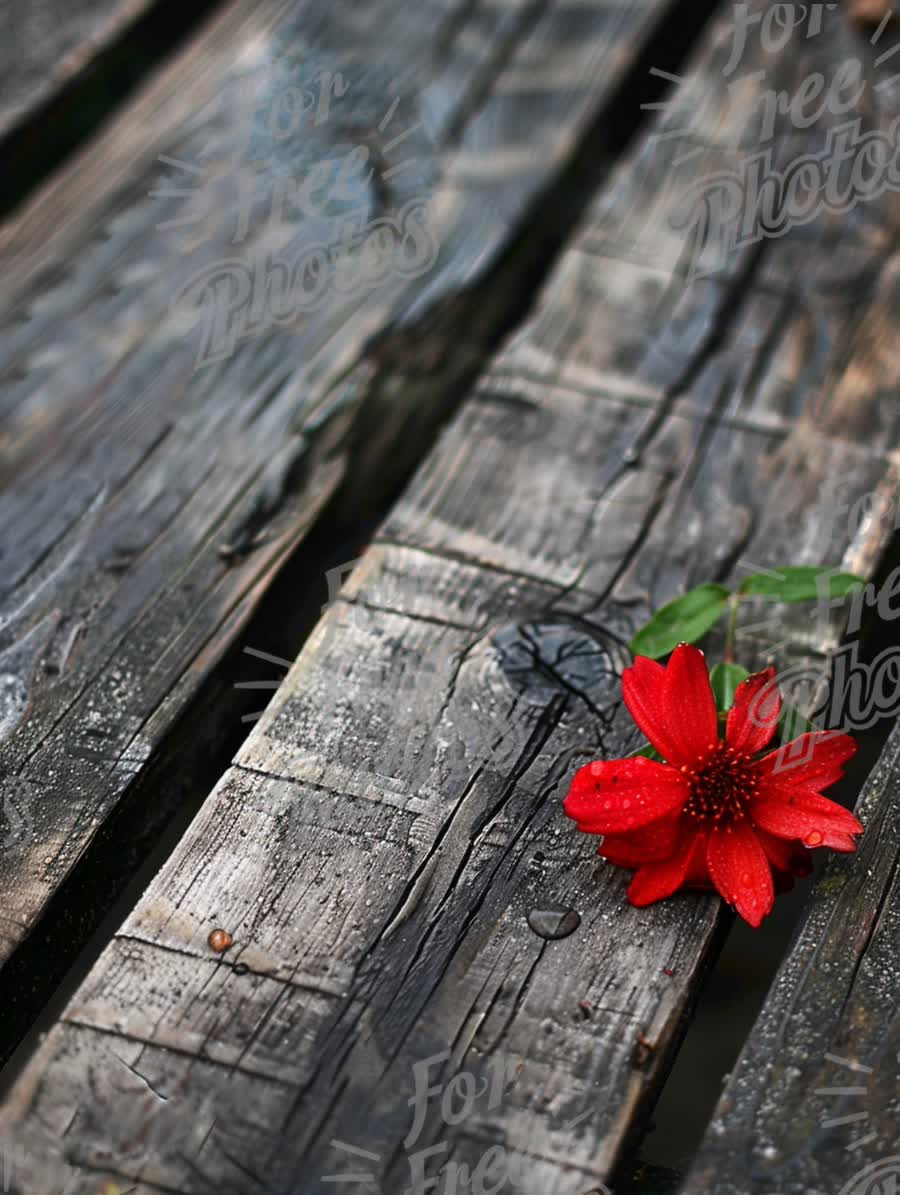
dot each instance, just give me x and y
(812, 1104)
(47, 43)
(150, 495)
(385, 832)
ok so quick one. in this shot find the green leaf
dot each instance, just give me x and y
(792, 724)
(725, 679)
(803, 584)
(650, 752)
(685, 620)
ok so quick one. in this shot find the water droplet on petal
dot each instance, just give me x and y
(814, 839)
(554, 921)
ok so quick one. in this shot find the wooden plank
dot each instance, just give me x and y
(47, 44)
(67, 68)
(155, 485)
(812, 1102)
(385, 833)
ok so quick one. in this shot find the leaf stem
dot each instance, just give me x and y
(732, 628)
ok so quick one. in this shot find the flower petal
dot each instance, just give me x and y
(814, 802)
(689, 704)
(698, 872)
(650, 844)
(656, 881)
(785, 854)
(816, 760)
(741, 871)
(642, 691)
(618, 795)
(809, 817)
(753, 719)
(779, 851)
(790, 860)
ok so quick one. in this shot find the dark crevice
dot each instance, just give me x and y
(414, 378)
(739, 982)
(50, 133)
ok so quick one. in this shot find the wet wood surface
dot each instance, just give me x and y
(408, 906)
(812, 1102)
(169, 436)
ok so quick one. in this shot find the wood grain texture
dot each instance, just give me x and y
(45, 45)
(388, 828)
(150, 496)
(812, 1102)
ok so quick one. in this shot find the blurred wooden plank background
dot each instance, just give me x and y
(387, 830)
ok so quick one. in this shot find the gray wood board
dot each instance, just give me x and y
(812, 1104)
(46, 44)
(151, 496)
(396, 815)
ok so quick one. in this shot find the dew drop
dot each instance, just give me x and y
(220, 941)
(814, 839)
(554, 921)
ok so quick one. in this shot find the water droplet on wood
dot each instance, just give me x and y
(220, 940)
(554, 921)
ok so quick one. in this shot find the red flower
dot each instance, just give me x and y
(714, 815)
